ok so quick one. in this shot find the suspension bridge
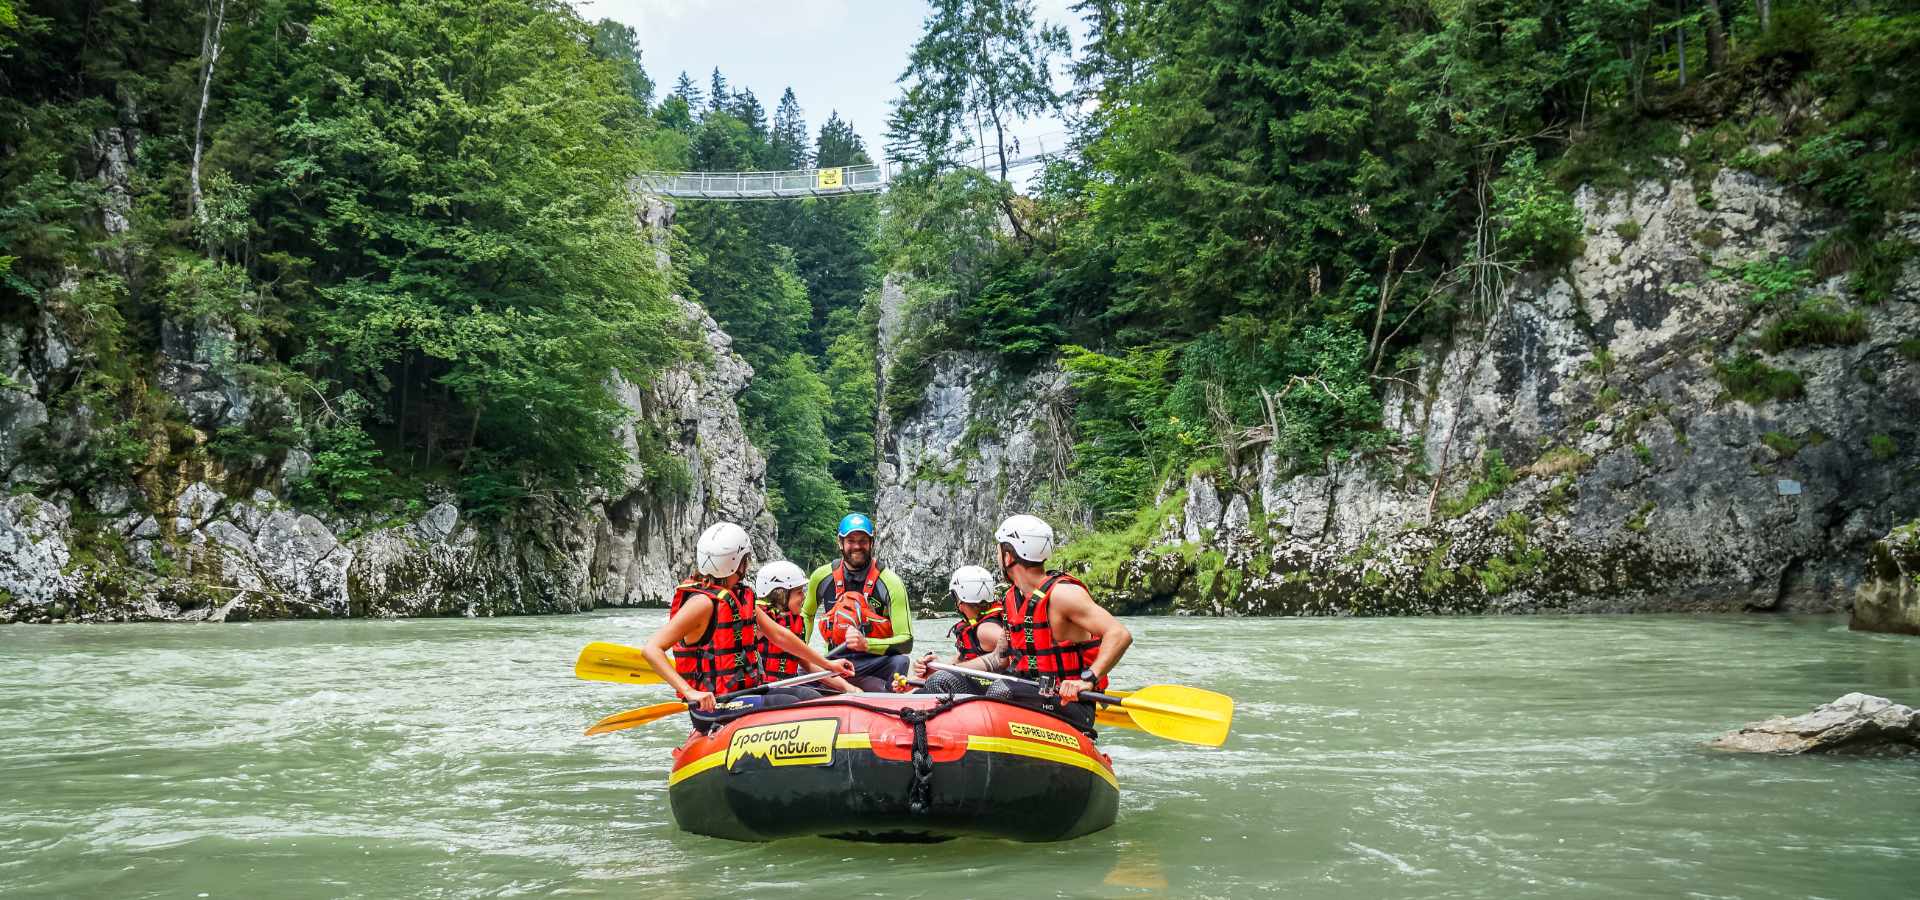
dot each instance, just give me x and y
(837, 181)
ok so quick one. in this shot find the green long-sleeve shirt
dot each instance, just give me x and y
(889, 589)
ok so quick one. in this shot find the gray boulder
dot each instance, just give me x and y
(1855, 725)
(1890, 599)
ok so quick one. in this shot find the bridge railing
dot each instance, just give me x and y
(765, 185)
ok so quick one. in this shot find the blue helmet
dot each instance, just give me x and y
(853, 522)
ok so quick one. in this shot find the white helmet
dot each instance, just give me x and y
(723, 549)
(1031, 539)
(778, 574)
(971, 584)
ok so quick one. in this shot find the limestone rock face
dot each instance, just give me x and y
(34, 555)
(642, 544)
(1890, 599)
(1854, 725)
(192, 546)
(20, 408)
(980, 446)
(1618, 472)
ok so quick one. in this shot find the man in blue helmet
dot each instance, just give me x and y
(863, 606)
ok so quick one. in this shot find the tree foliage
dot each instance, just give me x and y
(787, 280)
(1269, 205)
(414, 224)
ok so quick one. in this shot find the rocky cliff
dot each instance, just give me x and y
(200, 542)
(980, 442)
(1630, 433)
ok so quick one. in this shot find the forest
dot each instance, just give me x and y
(408, 224)
(1268, 207)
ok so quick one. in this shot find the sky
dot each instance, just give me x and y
(836, 54)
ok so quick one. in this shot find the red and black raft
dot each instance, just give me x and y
(894, 767)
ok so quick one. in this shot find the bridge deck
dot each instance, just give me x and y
(831, 182)
(766, 185)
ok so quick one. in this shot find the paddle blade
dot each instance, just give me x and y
(1114, 717)
(601, 661)
(1178, 713)
(635, 717)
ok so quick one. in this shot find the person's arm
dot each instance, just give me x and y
(811, 606)
(993, 638)
(990, 633)
(899, 612)
(994, 661)
(1077, 606)
(690, 620)
(779, 636)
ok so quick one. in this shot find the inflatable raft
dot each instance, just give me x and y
(893, 767)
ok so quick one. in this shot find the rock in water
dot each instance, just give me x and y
(1856, 724)
(1890, 599)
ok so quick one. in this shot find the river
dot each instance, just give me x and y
(1470, 757)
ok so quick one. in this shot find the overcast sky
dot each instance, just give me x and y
(836, 54)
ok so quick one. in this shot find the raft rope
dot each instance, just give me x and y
(920, 792)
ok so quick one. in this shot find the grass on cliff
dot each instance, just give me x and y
(1749, 380)
(1814, 322)
(1096, 557)
(1495, 476)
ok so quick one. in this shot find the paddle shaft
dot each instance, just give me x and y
(658, 711)
(803, 678)
(1001, 676)
(795, 681)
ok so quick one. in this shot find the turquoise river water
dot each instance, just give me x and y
(1472, 757)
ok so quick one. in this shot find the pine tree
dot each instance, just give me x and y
(685, 89)
(746, 107)
(790, 134)
(840, 145)
(717, 93)
(983, 65)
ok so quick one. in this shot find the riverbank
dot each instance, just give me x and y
(1470, 757)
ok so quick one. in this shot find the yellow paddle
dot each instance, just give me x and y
(601, 661)
(1114, 716)
(1171, 711)
(635, 717)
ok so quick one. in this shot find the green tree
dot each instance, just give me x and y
(472, 208)
(617, 44)
(981, 66)
(850, 379)
(689, 92)
(790, 150)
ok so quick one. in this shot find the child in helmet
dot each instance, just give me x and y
(981, 630)
(780, 587)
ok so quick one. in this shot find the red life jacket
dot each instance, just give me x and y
(1031, 649)
(777, 662)
(854, 608)
(966, 632)
(727, 657)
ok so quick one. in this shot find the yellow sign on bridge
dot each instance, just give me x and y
(829, 178)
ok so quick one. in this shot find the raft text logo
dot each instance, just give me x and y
(1035, 732)
(804, 743)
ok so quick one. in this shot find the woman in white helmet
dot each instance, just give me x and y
(714, 627)
(981, 629)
